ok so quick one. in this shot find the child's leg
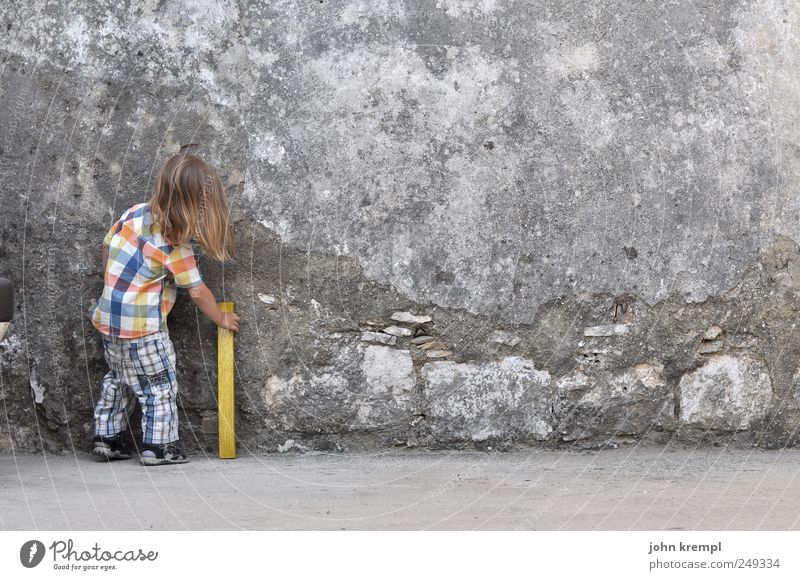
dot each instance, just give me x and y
(152, 376)
(111, 411)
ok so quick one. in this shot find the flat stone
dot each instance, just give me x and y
(606, 330)
(379, 337)
(286, 446)
(398, 331)
(388, 371)
(421, 339)
(727, 393)
(37, 388)
(266, 298)
(438, 353)
(709, 347)
(434, 345)
(504, 337)
(411, 318)
(509, 398)
(289, 445)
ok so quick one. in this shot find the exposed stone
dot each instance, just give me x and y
(596, 358)
(37, 388)
(290, 444)
(286, 446)
(509, 398)
(378, 337)
(411, 318)
(606, 330)
(504, 337)
(712, 333)
(398, 331)
(576, 381)
(726, 393)
(421, 339)
(630, 403)
(794, 391)
(709, 347)
(437, 353)
(362, 386)
(390, 377)
(266, 298)
(743, 340)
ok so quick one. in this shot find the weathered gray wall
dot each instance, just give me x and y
(535, 168)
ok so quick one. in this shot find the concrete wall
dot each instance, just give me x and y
(595, 204)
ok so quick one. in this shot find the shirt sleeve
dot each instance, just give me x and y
(181, 262)
(116, 227)
(113, 230)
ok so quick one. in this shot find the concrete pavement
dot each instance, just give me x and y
(627, 488)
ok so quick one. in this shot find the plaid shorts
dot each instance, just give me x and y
(144, 369)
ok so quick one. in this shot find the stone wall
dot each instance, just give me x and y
(459, 222)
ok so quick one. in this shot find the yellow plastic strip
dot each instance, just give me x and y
(227, 433)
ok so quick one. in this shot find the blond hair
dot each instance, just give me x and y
(188, 202)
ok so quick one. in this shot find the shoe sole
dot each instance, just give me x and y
(150, 461)
(105, 455)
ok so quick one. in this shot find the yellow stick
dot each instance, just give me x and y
(227, 435)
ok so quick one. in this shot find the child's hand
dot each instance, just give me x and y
(230, 321)
(205, 301)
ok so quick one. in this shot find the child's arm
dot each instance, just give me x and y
(182, 264)
(202, 296)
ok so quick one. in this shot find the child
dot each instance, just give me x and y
(146, 256)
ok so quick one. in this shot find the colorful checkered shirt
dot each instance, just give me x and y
(141, 277)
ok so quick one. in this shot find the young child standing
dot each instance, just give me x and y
(146, 256)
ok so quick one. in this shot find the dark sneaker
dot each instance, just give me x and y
(163, 454)
(107, 448)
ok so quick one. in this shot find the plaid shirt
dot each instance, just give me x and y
(141, 277)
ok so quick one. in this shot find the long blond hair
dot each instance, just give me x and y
(188, 202)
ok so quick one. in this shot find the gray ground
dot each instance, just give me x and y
(621, 489)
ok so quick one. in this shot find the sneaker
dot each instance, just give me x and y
(108, 448)
(163, 454)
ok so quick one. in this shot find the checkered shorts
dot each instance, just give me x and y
(144, 369)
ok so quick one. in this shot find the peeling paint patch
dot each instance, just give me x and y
(458, 8)
(566, 61)
(266, 148)
(360, 11)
